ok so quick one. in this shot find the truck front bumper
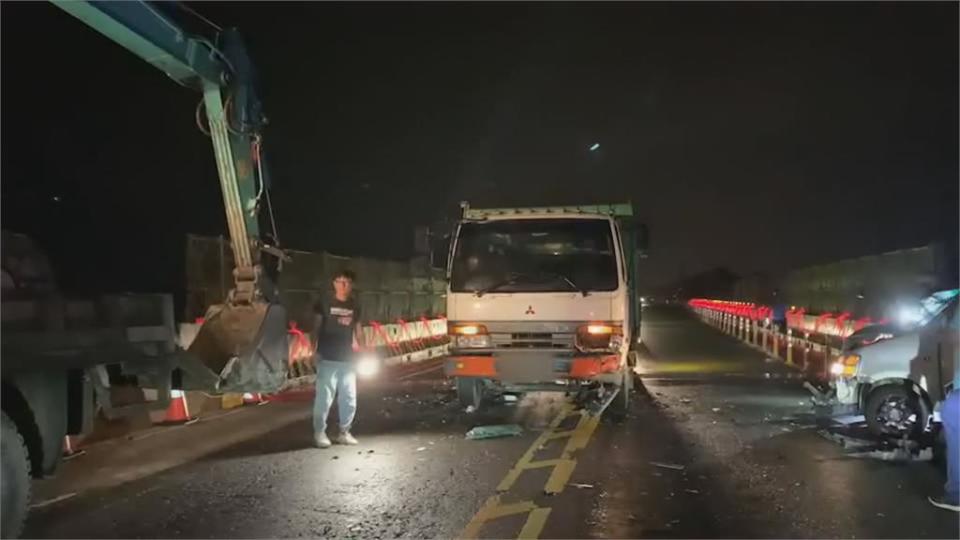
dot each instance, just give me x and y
(534, 366)
(841, 399)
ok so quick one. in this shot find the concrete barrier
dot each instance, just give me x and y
(398, 343)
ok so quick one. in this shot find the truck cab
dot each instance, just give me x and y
(543, 299)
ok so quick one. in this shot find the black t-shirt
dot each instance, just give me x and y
(336, 329)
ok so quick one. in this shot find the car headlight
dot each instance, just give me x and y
(846, 366)
(472, 342)
(368, 366)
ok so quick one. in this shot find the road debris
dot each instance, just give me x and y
(421, 449)
(491, 432)
(596, 407)
(848, 419)
(716, 409)
(895, 454)
(845, 441)
(686, 400)
(672, 466)
(694, 491)
(73, 455)
(581, 486)
(470, 409)
(52, 501)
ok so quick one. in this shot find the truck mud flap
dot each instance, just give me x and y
(239, 348)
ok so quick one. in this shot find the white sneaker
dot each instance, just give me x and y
(320, 440)
(942, 502)
(346, 438)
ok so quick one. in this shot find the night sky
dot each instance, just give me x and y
(754, 136)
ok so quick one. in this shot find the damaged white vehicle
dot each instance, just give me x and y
(896, 374)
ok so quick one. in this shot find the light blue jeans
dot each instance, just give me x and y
(950, 414)
(339, 378)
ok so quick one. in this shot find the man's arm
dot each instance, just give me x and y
(318, 313)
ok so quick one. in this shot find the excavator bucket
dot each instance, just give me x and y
(239, 348)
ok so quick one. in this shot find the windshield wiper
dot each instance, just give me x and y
(510, 280)
(569, 281)
(513, 277)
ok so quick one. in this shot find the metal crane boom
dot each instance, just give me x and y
(242, 343)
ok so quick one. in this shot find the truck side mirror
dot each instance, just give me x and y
(421, 240)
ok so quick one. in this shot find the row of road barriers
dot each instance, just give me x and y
(806, 342)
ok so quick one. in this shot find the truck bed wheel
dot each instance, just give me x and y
(470, 392)
(15, 480)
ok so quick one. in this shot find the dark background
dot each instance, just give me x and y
(753, 136)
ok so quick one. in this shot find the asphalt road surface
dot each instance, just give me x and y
(719, 442)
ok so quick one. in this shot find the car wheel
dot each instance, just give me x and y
(895, 410)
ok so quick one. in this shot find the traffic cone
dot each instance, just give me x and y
(177, 412)
(253, 398)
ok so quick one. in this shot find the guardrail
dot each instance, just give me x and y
(807, 342)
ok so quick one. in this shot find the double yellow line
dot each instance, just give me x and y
(577, 439)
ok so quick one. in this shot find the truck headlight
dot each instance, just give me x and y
(368, 366)
(600, 337)
(469, 336)
(462, 329)
(472, 342)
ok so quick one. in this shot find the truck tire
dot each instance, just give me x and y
(470, 392)
(15, 481)
(895, 410)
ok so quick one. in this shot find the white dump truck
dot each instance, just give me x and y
(544, 299)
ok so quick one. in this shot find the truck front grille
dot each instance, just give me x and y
(532, 340)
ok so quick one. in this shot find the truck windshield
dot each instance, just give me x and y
(535, 255)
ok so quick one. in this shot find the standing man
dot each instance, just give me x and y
(336, 331)
(950, 416)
